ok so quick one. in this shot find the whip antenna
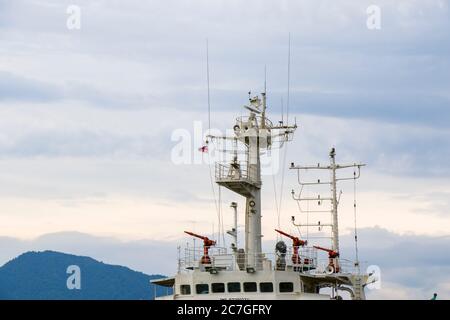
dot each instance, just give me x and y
(207, 80)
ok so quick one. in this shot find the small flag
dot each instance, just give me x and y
(203, 149)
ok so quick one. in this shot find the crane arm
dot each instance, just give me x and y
(331, 253)
(195, 235)
(296, 240)
(206, 240)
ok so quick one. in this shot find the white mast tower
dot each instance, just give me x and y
(243, 176)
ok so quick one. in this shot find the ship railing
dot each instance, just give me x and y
(278, 133)
(304, 261)
(242, 120)
(223, 259)
(192, 256)
(239, 171)
(345, 266)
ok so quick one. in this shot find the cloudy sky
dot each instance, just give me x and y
(87, 117)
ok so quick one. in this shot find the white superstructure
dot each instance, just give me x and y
(212, 272)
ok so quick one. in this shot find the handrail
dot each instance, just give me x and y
(221, 258)
(240, 171)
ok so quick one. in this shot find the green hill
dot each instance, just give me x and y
(43, 275)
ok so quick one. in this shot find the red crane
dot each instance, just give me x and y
(333, 265)
(296, 243)
(207, 243)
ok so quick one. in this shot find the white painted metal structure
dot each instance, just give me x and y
(249, 273)
(333, 167)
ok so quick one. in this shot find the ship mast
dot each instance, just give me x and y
(243, 176)
(335, 230)
(333, 167)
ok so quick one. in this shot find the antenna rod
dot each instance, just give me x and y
(264, 98)
(288, 79)
(334, 201)
(207, 79)
(265, 79)
(356, 229)
(287, 122)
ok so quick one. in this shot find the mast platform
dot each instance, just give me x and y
(238, 177)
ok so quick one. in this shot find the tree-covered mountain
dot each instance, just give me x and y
(56, 275)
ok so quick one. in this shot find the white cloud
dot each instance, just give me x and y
(86, 116)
